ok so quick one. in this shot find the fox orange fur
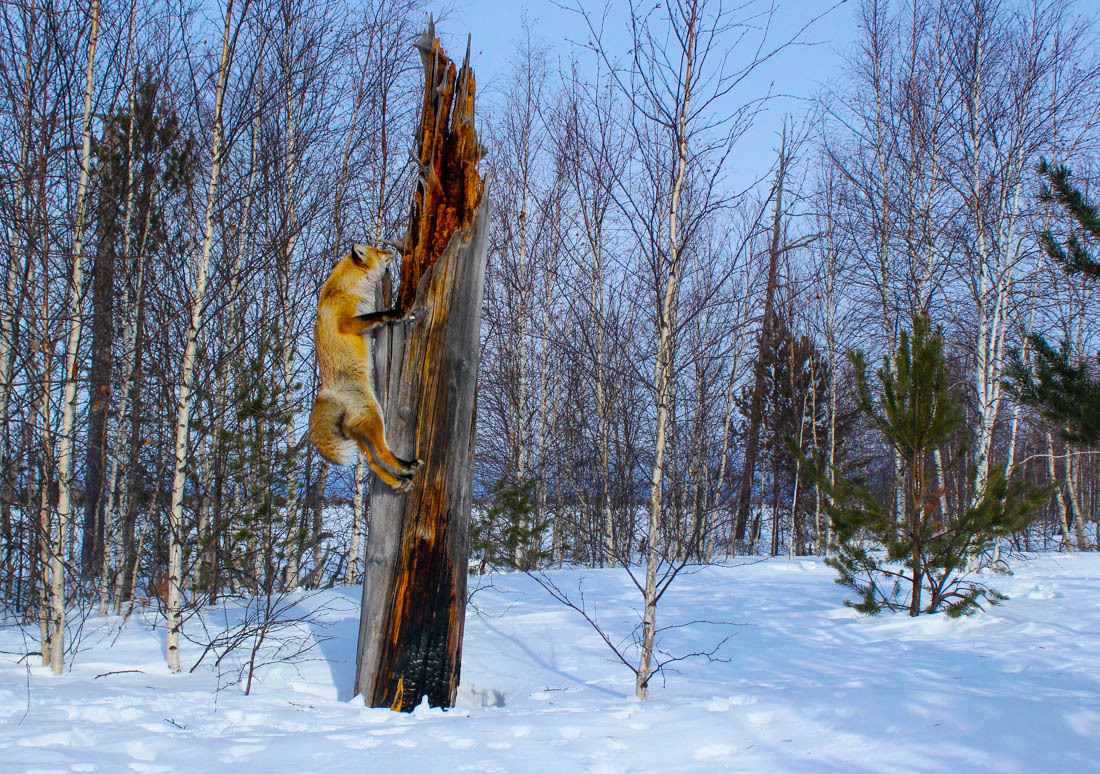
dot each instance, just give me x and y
(346, 415)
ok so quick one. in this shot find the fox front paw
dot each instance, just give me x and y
(403, 484)
(418, 313)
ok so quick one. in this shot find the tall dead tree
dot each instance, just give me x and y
(777, 247)
(414, 589)
(756, 410)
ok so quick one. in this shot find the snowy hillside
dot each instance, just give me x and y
(804, 685)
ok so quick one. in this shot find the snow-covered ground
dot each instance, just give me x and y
(804, 685)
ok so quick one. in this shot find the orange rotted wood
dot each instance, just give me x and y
(449, 187)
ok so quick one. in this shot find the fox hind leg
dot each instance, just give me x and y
(400, 483)
(368, 427)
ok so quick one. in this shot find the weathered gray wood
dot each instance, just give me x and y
(413, 557)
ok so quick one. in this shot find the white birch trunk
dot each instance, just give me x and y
(832, 353)
(798, 463)
(7, 322)
(355, 548)
(134, 575)
(889, 311)
(286, 343)
(1059, 496)
(662, 382)
(68, 412)
(816, 442)
(544, 414)
(46, 543)
(997, 261)
(108, 560)
(727, 425)
(520, 411)
(609, 548)
(1072, 470)
(183, 405)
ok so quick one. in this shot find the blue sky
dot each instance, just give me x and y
(796, 72)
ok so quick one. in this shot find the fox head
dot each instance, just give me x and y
(372, 260)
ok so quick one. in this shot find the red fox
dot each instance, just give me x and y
(346, 415)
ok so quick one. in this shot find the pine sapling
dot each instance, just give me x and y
(918, 559)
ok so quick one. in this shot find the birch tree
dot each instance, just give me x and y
(686, 60)
(76, 297)
(523, 298)
(183, 404)
(18, 266)
(1017, 76)
(592, 152)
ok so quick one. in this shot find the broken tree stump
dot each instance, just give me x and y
(414, 584)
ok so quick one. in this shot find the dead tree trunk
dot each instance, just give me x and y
(756, 410)
(414, 589)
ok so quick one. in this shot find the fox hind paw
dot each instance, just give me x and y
(408, 467)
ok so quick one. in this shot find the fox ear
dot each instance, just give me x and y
(358, 253)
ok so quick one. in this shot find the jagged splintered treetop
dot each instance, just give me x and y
(449, 190)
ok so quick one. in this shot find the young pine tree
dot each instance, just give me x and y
(1063, 391)
(917, 560)
(509, 535)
